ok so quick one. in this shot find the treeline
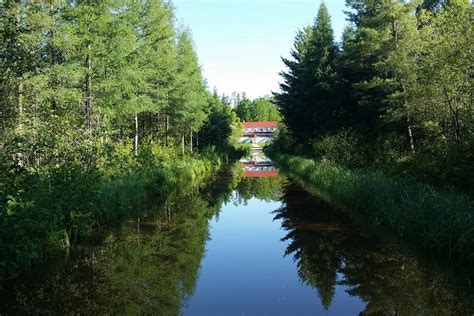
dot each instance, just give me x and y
(396, 94)
(259, 109)
(76, 73)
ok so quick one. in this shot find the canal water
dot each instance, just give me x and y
(252, 242)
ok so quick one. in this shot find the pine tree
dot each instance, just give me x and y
(307, 100)
(322, 59)
(374, 91)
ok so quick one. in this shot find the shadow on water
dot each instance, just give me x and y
(159, 262)
(330, 250)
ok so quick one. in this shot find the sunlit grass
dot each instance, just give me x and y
(439, 221)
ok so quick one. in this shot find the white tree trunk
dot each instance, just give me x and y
(20, 156)
(88, 105)
(410, 136)
(182, 144)
(167, 126)
(135, 144)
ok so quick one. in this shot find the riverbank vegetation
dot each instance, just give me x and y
(440, 222)
(331, 251)
(383, 122)
(103, 105)
(147, 264)
(47, 211)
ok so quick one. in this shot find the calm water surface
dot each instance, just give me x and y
(240, 246)
(245, 271)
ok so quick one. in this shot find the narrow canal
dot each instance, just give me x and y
(251, 244)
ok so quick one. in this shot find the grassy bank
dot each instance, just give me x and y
(43, 211)
(442, 222)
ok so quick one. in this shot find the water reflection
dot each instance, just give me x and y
(259, 245)
(330, 251)
(258, 166)
(148, 265)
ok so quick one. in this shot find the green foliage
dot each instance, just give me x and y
(48, 210)
(438, 221)
(258, 110)
(307, 101)
(92, 72)
(403, 80)
(188, 98)
(219, 128)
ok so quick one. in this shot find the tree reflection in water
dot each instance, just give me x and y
(265, 189)
(150, 265)
(331, 251)
(147, 266)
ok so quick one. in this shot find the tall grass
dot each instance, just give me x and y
(441, 222)
(45, 210)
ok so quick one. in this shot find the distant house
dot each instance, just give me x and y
(257, 133)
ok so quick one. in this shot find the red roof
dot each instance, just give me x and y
(259, 124)
(261, 174)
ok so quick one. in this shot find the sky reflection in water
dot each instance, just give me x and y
(245, 272)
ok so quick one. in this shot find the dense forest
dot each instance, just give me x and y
(382, 124)
(103, 104)
(86, 72)
(395, 94)
(111, 143)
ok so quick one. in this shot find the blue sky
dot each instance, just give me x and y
(240, 42)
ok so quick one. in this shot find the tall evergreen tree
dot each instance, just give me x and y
(307, 100)
(290, 101)
(372, 41)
